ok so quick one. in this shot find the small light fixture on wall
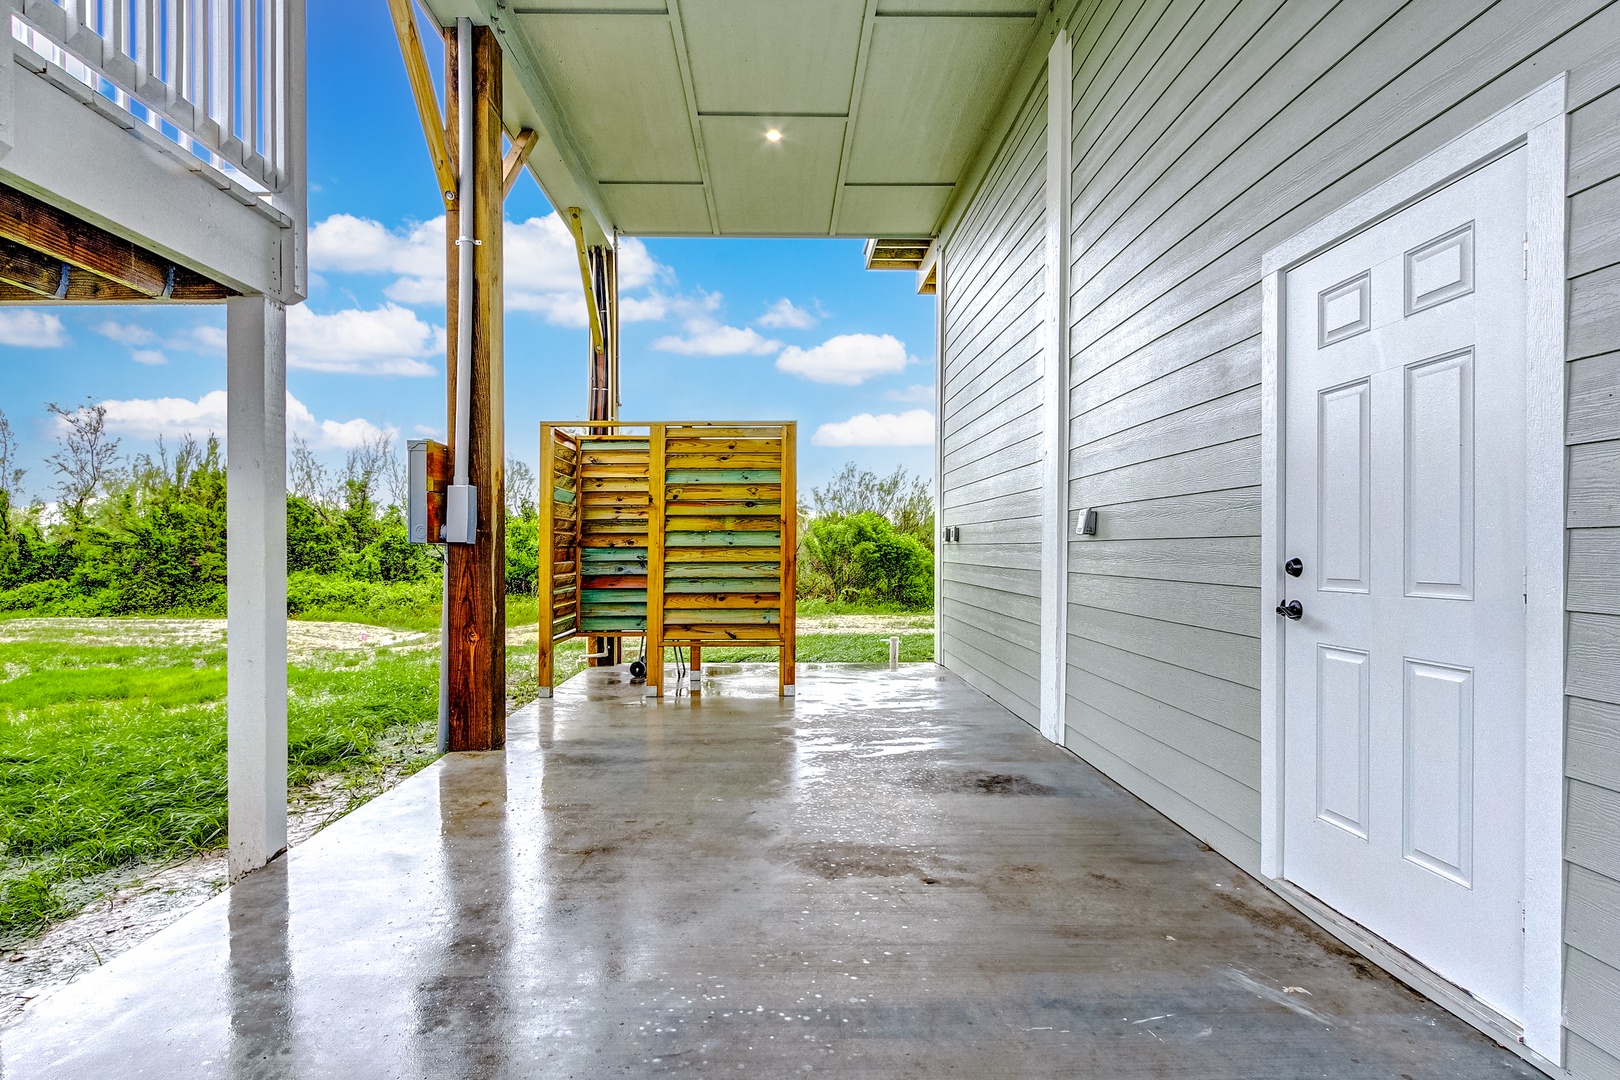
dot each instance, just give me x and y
(773, 135)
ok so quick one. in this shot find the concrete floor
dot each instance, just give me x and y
(889, 877)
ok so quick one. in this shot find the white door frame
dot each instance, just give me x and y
(1536, 123)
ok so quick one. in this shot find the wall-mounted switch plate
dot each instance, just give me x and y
(1088, 522)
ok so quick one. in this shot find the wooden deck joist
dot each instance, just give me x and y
(49, 256)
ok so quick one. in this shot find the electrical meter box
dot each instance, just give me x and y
(430, 478)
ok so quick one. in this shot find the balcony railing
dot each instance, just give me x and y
(217, 71)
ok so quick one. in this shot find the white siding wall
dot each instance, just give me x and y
(991, 424)
(1204, 134)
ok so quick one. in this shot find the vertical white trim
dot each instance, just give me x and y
(1537, 123)
(1272, 397)
(1055, 395)
(1545, 540)
(940, 285)
(256, 590)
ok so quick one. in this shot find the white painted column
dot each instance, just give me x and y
(256, 565)
(1055, 396)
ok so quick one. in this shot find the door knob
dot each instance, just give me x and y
(1293, 568)
(1290, 610)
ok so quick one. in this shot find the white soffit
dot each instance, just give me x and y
(881, 105)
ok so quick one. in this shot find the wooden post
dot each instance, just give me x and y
(696, 677)
(544, 578)
(476, 613)
(600, 289)
(790, 554)
(655, 560)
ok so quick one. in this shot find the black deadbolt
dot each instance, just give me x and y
(1293, 568)
(1290, 610)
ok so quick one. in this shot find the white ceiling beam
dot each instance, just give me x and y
(683, 61)
(538, 89)
(868, 21)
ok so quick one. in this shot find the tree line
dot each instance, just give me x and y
(144, 534)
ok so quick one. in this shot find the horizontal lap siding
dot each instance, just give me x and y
(1592, 912)
(990, 424)
(1204, 135)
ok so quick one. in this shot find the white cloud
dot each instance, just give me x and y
(912, 428)
(784, 315)
(150, 357)
(127, 333)
(390, 340)
(847, 360)
(917, 393)
(172, 418)
(541, 264)
(31, 329)
(707, 337)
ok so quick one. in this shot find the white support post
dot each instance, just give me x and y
(256, 569)
(1055, 397)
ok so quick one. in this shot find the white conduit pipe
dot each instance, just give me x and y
(464, 244)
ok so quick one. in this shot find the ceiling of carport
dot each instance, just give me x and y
(657, 109)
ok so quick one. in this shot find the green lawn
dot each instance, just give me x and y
(113, 754)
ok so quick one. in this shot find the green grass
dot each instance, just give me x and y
(833, 649)
(810, 609)
(111, 756)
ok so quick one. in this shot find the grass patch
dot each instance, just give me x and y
(832, 649)
(111, 756)
(810, 609)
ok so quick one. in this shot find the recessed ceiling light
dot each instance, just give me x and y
(774, 135)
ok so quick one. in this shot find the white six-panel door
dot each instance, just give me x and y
(1404, 488)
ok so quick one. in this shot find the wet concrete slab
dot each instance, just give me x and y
(889, 876)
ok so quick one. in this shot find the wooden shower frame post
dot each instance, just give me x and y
(655, 559)
(544, 578)
(787, 661)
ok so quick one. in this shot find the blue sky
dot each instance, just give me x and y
(728, 329)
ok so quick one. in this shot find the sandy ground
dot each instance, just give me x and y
(304, 639)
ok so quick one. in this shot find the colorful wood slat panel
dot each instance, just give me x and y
(685, 532)
(722, 570)
(615, 523)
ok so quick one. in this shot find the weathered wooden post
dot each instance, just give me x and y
(475, 614)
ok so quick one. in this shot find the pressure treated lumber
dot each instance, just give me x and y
(105, 267)
(427, 101)
(476, 612)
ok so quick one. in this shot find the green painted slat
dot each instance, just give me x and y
(753, 586)
(563, 496)
(637, 611)
(614, 625)
(720, 616)
(723, 476)
(723, 539)
(615, 555)
(588, 445)
(675, 569)
(614, 596)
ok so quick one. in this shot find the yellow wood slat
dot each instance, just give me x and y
(722, 635)
(690, 556)
(615, 472)
(731, 445)
(723, 460)
(674, 602)
(720, 508)
(743, 493)
(594, 484)
(630, 541)
(684, 431)
(616, 513)
(729, 523)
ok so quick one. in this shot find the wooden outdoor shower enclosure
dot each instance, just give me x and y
(682, 532)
